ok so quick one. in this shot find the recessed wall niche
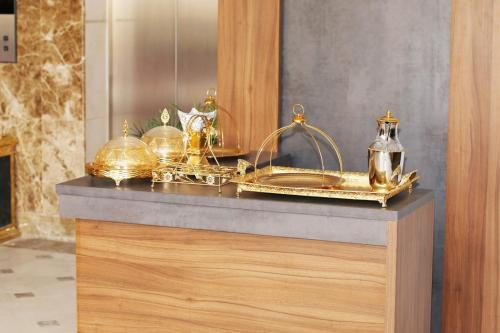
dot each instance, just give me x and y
(8, 223)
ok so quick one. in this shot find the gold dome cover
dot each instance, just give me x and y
(165, 141)
(123, 158)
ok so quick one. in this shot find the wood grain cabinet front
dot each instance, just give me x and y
(139, 278)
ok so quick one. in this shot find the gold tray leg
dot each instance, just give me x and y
(383, 202)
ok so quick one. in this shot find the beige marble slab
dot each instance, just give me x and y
(41, 104)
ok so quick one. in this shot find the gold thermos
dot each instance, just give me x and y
(386, 155)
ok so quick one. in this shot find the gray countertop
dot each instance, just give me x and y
(140, 190)
(202, 207)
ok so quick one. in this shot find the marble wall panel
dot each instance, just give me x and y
(41, 105)
(63, 149)
(20, 107)
(62, 59)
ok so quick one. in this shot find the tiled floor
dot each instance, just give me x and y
(37, 287)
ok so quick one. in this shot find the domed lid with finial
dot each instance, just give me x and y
(165, 141)
(388, 118)
(125, 153)
(309, 179)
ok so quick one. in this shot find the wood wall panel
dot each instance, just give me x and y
(409, 272)
(491, 276)
(470, 287)
(136, 278)
(248, 67)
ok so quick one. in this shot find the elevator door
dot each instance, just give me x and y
(161, 52)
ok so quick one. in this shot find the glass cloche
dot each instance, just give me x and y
(124, 158)
(293, 177)
(165, 141)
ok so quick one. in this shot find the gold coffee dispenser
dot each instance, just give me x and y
(386, 155)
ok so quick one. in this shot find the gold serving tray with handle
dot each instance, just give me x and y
(318, 183)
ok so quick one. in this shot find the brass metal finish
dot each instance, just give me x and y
(386, 155)
(193, 168)
(123, 158)
(165, 141)
(317, 183)
(298, 180)
(274, 178)
(220, 148)
(221, 152)
(198, 140)
(203, 174)
(300, 120)
(7, 148)
(388, 118)
(210, 99)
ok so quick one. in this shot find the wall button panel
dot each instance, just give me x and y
(7, 37)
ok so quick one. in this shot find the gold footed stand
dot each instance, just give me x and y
(123, 158)
(194, 168)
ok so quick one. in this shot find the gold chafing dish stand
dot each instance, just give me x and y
(315, 182)
(193, 168)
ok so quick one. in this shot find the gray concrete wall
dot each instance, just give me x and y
(347, 61)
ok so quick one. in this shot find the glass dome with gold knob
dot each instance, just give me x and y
(165, 141)
(124, 158)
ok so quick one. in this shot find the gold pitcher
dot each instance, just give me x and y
(386, 155)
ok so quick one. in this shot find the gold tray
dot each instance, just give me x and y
(300, 180)
(202, 174)
(221, 152)
(117, 174)
(314, 183)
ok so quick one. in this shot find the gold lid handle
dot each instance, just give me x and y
(388, 118)
(165, 117)
(125, 128)
(210, 100)
(298, 111)
(212, 92)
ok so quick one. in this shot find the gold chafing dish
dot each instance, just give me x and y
(123, 158)
(165, 141)
(312, 182)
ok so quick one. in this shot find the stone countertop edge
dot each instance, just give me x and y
(196, 195)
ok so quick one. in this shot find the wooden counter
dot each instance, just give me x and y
(307, 272)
